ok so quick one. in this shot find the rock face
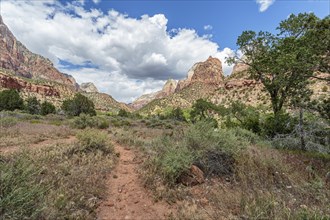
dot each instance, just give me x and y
(16, 57)
(209, 72)
(19, 84)
(240, 71)
(88, 87)
(168, 89)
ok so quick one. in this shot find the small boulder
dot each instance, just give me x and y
(192, 177)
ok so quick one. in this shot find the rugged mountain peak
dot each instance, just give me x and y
(169, 87)
(17, 58)
(209, 72)
(88, 87)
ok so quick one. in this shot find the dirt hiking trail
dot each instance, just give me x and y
(126, 196)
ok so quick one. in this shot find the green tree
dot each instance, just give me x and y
(123, 113)
(10, 100)
(47, 108)
(79, 104)
(285, 61)
(33, 106)
(201, 109)
(177, 114)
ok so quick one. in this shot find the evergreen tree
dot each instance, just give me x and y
(47, 108)
(79, 104)
(10, 100)
(33, 106)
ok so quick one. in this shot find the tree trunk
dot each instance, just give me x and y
(301, 129)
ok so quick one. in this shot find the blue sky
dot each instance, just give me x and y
(228, 18)
(129, 48)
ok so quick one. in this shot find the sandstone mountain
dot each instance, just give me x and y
(168, 89)
(16, 57)
(202, 80)
(34, 75)
(208, 72)
(88, 87)
(205, 80)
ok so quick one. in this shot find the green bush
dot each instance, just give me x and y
(79, 104)
(123, 113)
(91, 140)
(241, 115)
(175, 161)
(282, 124)
(84, 121)
(47, 108)
(33, 106)
(10, 100)
(117, 122)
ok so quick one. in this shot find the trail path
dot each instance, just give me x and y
(127, 198)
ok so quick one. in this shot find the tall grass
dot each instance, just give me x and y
(57, 182)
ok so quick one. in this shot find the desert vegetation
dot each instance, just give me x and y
(227, 160)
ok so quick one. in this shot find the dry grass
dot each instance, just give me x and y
(25, 133)
(57, 182)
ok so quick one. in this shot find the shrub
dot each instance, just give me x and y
(175, 161)
(324, 89)
(177, 114)
(7, 122)
(20, 189)
(282, 124)
(33, 106)
(216, 163)
(79, 104)
(47, 108)
(91, 140)
(123, 113)
(119, 122)
(84, 121)
(10, 100)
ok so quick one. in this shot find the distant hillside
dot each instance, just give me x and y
(104, 102)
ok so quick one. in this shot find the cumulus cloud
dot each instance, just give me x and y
(131, 56)
(208, 27)
(264, 4)
(96, 1)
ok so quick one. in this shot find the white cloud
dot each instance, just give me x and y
(133, 55)
(96, 1)
(208, 27)
(222, 55)
(264, 4)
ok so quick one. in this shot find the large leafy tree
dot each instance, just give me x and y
(284, 62)
(10, 100)
(79, 104)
